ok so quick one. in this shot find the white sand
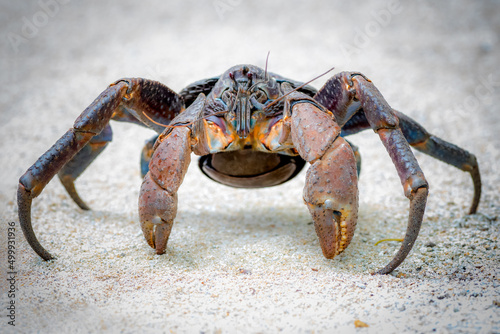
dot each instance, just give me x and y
(248, 261)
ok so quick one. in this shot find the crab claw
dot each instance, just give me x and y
(158, 196)
(334, 228)
(156, 233)
(331, 194)
(331, 189)
(157, 210)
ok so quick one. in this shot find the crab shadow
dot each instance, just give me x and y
(281, 232)
(223, 235)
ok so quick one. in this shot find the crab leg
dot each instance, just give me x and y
(357, 156)
(158, 196)
(146, 154)
(437, 148)
(420, 139)
(126, 98)
(384, 122)
(339, 96)
(331, 191)
(75, 167)
(92, 121)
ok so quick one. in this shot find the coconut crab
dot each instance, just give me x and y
(251, 128)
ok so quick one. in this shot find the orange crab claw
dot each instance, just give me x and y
(157, 210)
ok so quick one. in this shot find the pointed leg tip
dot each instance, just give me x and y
(383, 271)
(49, 258)
(417, 209)
(475, 204)
(24, 199)
(84, 206)
(69, 184)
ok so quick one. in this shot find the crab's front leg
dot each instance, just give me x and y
(158, 196)
(331, 190)
(168, 166)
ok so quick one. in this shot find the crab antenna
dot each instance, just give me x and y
(185, 124)
(296, 89)
(153, 121)
(267, 59)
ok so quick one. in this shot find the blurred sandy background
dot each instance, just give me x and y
(248, 261)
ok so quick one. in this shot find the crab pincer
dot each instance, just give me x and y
(331, 190)
(158, 197)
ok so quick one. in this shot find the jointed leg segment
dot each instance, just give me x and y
(73, 168)
(348, 94)
(158, 197)
(43, 170)
(383, 121)
(79, 146)
(440, 149)
(331, 191)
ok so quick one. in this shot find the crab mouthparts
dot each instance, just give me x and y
(243, 114)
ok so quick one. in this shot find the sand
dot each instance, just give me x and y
(248, 261)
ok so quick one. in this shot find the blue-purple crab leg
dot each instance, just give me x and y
(146, 155)
(357, 156)
(386, 124)
(416, 135)
(75, 167)
(338, 95)
(440, 149)
(127, 97)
